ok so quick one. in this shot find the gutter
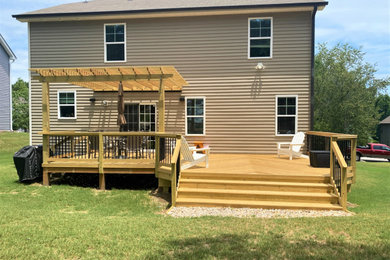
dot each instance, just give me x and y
(212, 8)
(313, 27)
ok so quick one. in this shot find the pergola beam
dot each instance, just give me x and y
(99, 78)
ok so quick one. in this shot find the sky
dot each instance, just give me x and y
(360, 23)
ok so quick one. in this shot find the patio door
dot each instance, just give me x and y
(140, 118)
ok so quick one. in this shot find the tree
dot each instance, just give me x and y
(345, 91)
(383, 106)
(20, 112)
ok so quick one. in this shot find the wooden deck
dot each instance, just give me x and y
(259, 164)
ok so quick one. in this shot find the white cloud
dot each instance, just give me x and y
(360, 23)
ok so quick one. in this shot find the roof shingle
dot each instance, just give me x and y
(112, 6)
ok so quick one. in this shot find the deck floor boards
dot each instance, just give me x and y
(259, 164)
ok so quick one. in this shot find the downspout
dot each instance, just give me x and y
(313, 26)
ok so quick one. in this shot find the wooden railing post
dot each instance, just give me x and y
(332, 157)
(157, 155)
(45, 158)
(353, 158)
(102, 181)
(173, 184)
(343, 191)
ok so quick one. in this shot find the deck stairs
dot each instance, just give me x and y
(199, 189)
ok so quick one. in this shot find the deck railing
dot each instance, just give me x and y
(342, 154)
(161, 149)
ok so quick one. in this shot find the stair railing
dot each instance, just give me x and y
(342, 155)
(338, 172)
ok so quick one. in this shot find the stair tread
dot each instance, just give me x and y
(259, 204)
(243, 182)
(257, 192)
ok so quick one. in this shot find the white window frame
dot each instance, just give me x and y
(60, 105)
(204, 115)
(260, 38)
(155, 115)
(108, 43)
(139, 113)
(276, 114)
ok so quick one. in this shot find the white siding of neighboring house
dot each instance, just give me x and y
(5, 103)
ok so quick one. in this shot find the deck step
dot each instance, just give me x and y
(256, 177)
(204, 202)
(255, 185)
(261, 195)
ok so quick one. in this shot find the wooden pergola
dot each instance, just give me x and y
(146, 78)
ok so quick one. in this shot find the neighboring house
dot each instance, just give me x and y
(248, 64)
(6, 57)
(384, 131)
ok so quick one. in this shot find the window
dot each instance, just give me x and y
(195, 116)
(114, 42)
(66, 104)
(286, 115)
(260, 38)
(140, 117)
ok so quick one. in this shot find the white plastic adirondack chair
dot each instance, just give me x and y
(294, 148)
(190, 155)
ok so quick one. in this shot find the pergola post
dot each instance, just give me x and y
(161, 107)
(45, 128)
(162, 184)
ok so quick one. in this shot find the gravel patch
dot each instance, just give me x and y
(194, 212)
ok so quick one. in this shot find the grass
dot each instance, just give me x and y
(72, 222)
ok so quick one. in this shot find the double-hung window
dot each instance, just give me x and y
(286, 115)
(67, 104)
(260, 38)
(114, 42)
(195, 115)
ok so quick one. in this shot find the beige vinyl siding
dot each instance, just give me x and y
(212, 55)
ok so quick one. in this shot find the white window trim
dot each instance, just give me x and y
(139, 113)
(204, 115)
(276, 114)
(58, 104)
(259, 38)
(105, 44)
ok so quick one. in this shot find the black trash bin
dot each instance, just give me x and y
(28, 163)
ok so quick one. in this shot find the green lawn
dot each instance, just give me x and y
(72, 222)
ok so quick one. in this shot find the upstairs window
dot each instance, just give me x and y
(66, 104)
(286, 115)
(115, 42)
(195, 116)
(260, 38)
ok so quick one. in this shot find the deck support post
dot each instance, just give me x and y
(161, 107)
(45, 177)
(45, 129)
(102, 179)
